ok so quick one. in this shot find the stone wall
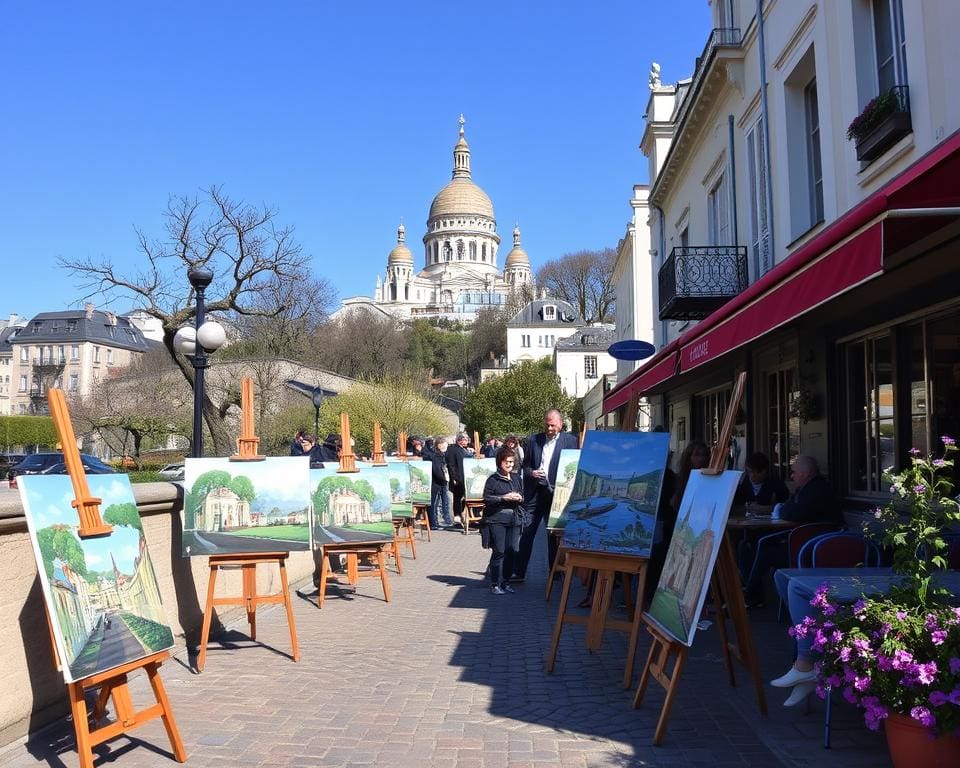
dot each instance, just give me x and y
(33, 689)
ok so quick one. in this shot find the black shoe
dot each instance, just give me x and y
(516, 579)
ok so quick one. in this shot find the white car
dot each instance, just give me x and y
(172, 472)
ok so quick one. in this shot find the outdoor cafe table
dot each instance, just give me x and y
(848, 584)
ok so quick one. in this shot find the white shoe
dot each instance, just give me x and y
(799, 693)
(793, 677)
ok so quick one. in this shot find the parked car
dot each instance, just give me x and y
(35, 463)
(91, 465)
(172, 472)
(7, 460)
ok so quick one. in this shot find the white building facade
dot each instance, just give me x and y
(535, 330)
(804, 215)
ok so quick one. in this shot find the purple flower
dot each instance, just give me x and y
(938, 636)
(954, 665)
(947, 440)
(901, 615)
(850, 695)
(914, 451)
(859, 607)
(939, 698)
(939, 463)
(884, 663)
(923, 716)
(845, 654)
(919, 488)
(927, 672)
(955, 696)
(862, 683)
(930, 621)
(861, 645)
(902, 659)
(874, 712)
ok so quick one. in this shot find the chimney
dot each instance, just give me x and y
(89, 308)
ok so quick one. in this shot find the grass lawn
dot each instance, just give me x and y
(665, 608)
(374, 527)
(284, 532)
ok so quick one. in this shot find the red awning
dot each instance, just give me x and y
(846, 254)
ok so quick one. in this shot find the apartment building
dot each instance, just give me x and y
(535, 330)
(805, 215)
(71, 350)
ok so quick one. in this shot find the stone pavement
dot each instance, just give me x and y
(449, 675)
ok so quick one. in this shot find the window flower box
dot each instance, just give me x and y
(884, 121)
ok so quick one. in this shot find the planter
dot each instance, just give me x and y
(888, 132)
(912, 745)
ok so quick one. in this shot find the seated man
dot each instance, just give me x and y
(759, 490)
(812, 501)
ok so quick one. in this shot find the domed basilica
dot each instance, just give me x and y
(461, 274)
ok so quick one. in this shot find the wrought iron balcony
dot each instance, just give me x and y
(696, 280)
(720, 37)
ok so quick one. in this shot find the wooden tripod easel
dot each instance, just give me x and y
(113, 683)
(667, 655)
(247, 451)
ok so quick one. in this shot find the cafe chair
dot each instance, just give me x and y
(796, 539)
(840, 550)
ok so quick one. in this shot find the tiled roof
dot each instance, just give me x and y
(72, 326)
(533, 314)
(591, 337)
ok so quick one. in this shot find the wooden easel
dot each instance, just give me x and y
(378, 456)
(607, 567)
(557, 567)
(247, 561)
(113, 683)
(374, 550)
(725, 587)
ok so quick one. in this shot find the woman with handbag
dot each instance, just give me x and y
(502, 497)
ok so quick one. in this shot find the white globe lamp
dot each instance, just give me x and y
(211, 336)
(185, 340)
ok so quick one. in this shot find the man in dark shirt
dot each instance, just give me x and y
(455, 456)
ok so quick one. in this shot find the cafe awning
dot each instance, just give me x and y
(848, 253)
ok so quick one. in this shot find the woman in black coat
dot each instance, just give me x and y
(502, 496)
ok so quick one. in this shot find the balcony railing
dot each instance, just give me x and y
(54, 361)
(890, 128)
(696, 280)
(720, 36)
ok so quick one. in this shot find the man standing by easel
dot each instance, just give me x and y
(541, 460)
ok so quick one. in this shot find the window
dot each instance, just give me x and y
(109, 357)
(889, 44)
(525, 340)
(757, 208)
(74, 351)
(814, 167)
(24, 354)
(783, 429)
(37, 326)
(96, 354)
(870, 413)
(61, 354)
(718, 218)
(74, 382)
(71, 326)
(23, 383)
(473, 251)
(685, 237)
(590, 366)
(549, 312)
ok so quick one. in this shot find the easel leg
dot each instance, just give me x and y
(207, 618)
(556, 568)
(324, 573)
(353, 569)
(126, 714)
(721, 618)
(78, 708)
(381, 563)
(295, 645)
(655, 646)
(561, 613)
(100, 708)
(250, 597)
(176, 743)
(635, 628)
(396, 552)
(408, 526)
(602, 597)
(671, 692)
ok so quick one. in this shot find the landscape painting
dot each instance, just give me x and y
(421, 474)
(401, 502)
(231, 507)
(616, 491)
(566, 474)
(351, 506)
(475, 474)
(685, 579)
(101, 593)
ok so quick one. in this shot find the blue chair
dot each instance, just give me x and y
(839, 550)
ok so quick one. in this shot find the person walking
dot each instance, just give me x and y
(540, 464)
(501, 514)
(456, 453)
(439, 501)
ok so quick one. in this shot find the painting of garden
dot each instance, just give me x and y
(566, 473)
(101, 593)
(475, 474)
(421, 475)
(352, 506)
(250, 506)
(401, 502)
(616, 491)
(701, 522)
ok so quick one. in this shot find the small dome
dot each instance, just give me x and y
(517, 256)
(400, 254)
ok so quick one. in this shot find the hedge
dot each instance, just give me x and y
(28, 430)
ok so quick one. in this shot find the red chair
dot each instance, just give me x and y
(801, 535)
(840, 550)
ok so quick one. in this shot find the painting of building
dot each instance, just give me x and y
(101, 593)
(250, 506)
(566, 474)
(685, 579)
(421, 475)
(612, 505)
(352, 506)
(401, 497)
(475, 474)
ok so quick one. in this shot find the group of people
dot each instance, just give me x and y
(306, 444)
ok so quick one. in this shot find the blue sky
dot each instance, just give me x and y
(342, 116)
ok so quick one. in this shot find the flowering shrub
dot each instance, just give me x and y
(900, 652)
(871, 116)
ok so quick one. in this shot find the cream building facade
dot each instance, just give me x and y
(461, 272)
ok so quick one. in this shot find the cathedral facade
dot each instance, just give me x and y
(461, 272)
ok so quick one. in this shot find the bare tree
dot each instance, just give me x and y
(259, 271)
(361, 344)
(585, 279)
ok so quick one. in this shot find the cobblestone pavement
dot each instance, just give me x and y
(450, 675)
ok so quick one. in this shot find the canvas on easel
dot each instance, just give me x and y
(475, 474)
(352, 507)
(566, 474)
(101, 593)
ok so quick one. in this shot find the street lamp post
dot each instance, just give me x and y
(196, 343)
(317, 397)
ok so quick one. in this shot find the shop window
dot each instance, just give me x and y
(870, 413)
(590, 367)
(782, 428)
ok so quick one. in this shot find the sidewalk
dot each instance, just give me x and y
(449, 675)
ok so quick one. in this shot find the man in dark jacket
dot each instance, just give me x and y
(330, 449)
(456, 453)
(541, 459)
